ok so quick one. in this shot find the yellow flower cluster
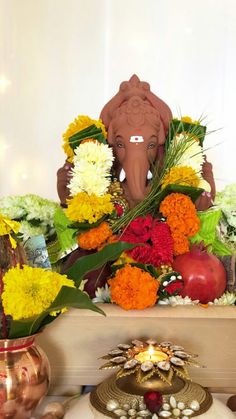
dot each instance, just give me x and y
(88, 208)
(7, 226)
(30, 291)
(80, 123)
(181, 175)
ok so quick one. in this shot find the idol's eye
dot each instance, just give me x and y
(152, 145)
(153, 141)
(119, 143)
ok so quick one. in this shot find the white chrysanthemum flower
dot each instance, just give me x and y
(102, 295)
(176, 300)
(35, 214)
(27, 230)
(91, 171)
(12, 207)
(96, 153)
(192, 155)
(226, 200)
(227, 299)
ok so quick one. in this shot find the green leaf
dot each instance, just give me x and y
(81, 227)
(67, 297)
(208, 232)
(92, 262)
(65, 231)
(192, 192)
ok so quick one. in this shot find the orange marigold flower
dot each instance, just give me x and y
(133, 289)
(181, 244)
(89, 140)
(95, 237)
(182, 219)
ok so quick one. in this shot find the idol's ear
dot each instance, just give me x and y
(109, 109)
(110, 135)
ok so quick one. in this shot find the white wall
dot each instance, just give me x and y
(67, 57)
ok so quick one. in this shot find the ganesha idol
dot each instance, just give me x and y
(137, 124)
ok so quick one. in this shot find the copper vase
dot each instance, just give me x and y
(24, 377)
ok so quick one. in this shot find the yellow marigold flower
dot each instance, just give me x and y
(88, 208)
(181, 175)
(7, 226)
(30, 291)
(189, 120)
(80, 123)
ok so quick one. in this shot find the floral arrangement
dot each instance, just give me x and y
(30, 298)
(35, 214)
(159, 229)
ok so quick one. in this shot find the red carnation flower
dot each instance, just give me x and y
(138, 231)
(156, 237)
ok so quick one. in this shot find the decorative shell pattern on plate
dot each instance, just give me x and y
(170, 409)
(148, 358)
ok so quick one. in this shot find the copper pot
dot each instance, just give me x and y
(24, 377)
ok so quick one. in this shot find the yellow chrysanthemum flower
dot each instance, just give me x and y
(30, 291)
(181, 175)
(88, 208)
(7, 226)
(80, 123)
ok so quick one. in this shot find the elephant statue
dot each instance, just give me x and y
(137, 122)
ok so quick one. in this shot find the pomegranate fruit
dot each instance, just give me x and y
(203, 274)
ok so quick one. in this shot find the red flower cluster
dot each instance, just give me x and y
(156, 237)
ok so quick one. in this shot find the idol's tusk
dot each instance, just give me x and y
(122, 175)
(149, 175)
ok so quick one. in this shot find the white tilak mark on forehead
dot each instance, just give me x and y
(136, 139)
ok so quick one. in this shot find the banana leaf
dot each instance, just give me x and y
(176, 127)
(90, 132)
(67, 297)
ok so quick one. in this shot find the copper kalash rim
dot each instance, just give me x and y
(117, 389)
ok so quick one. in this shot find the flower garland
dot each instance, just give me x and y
(92, 161)
(88, 208)
(92, 167)
(133, 288)
(80, 123)
(182, 219)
